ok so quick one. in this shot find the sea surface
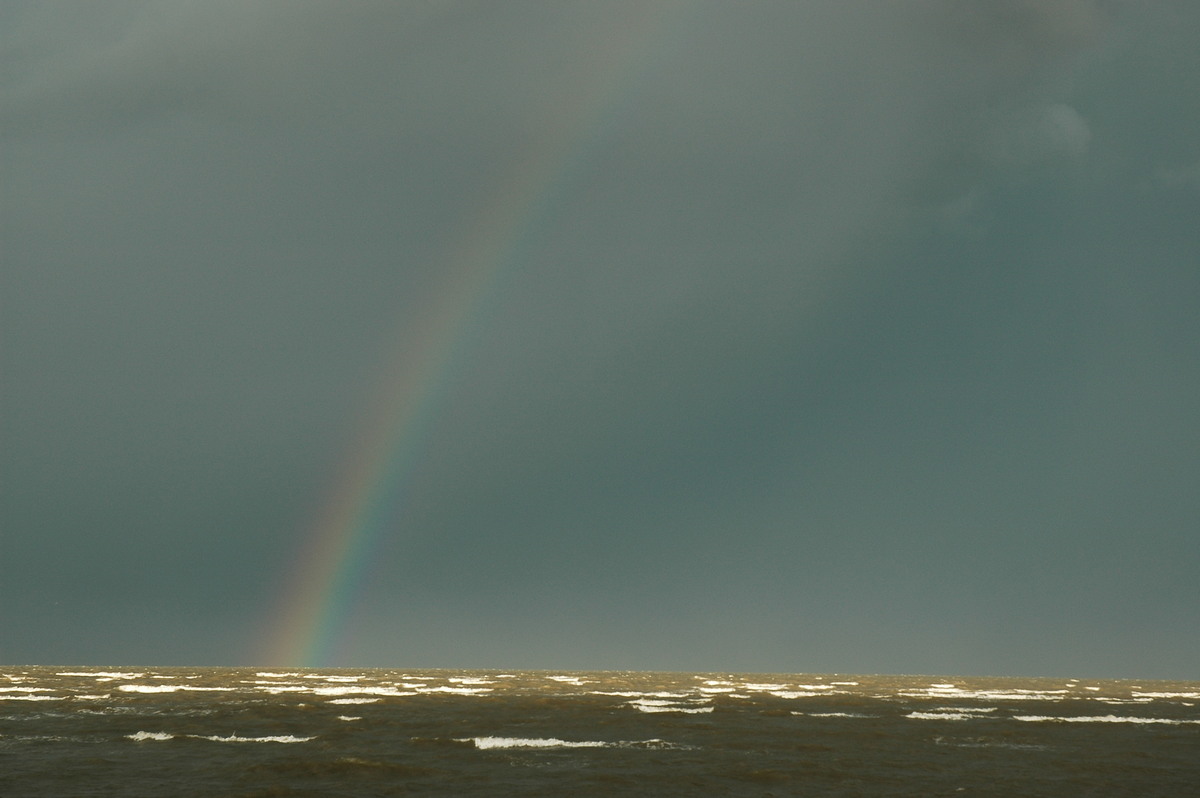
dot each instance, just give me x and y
(252, 732)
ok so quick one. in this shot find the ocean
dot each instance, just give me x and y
(333, 732)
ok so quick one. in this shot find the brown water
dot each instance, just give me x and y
(246, 732)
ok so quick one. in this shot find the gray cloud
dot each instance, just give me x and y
(1047, 133)
(835, 319)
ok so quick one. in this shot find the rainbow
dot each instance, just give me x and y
(324, 582)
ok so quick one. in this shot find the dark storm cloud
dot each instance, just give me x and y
(851, 336)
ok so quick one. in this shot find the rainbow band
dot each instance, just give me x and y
(325, 583)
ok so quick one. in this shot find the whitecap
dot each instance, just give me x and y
(273, 675)
(942, 715)
(795, 693)
(575, 680)
(554, 742)
(1101, 719)
(986, 695)
(348, 717)
(834, 714)
(533, 742)
(640, 694)
(354, 700)
(1124, 700)
(31, 698)
(356, 690)
(145, 735)
(170, 688)
(650, 705)
(1167, 695)
(233, 738)
(104, 675)
(457, 690)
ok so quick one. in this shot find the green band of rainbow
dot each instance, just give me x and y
(324, 585)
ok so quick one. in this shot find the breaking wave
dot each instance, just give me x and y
(143, 736)
(485, 743)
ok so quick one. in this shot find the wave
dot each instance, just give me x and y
(275, 689)
(795, 693)
(354, 701)
(950, 691)
(143, 736)
(835, 714)
(953, 713)
(233, 738)
(573, 680)
(1102, 719)
(484, 743)
(943, 716)
(360, 691)
(650, 705)
(171, 688)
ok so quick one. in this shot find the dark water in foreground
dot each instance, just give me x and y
(246, 732)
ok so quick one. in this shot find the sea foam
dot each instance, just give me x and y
(171, 688)
(233, 738)
(1102, 719)
(554, 742)
(143, 736)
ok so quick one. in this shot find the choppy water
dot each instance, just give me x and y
(247, 732)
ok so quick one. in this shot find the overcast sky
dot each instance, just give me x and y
(855, 336)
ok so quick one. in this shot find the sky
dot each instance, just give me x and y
(854, 336)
